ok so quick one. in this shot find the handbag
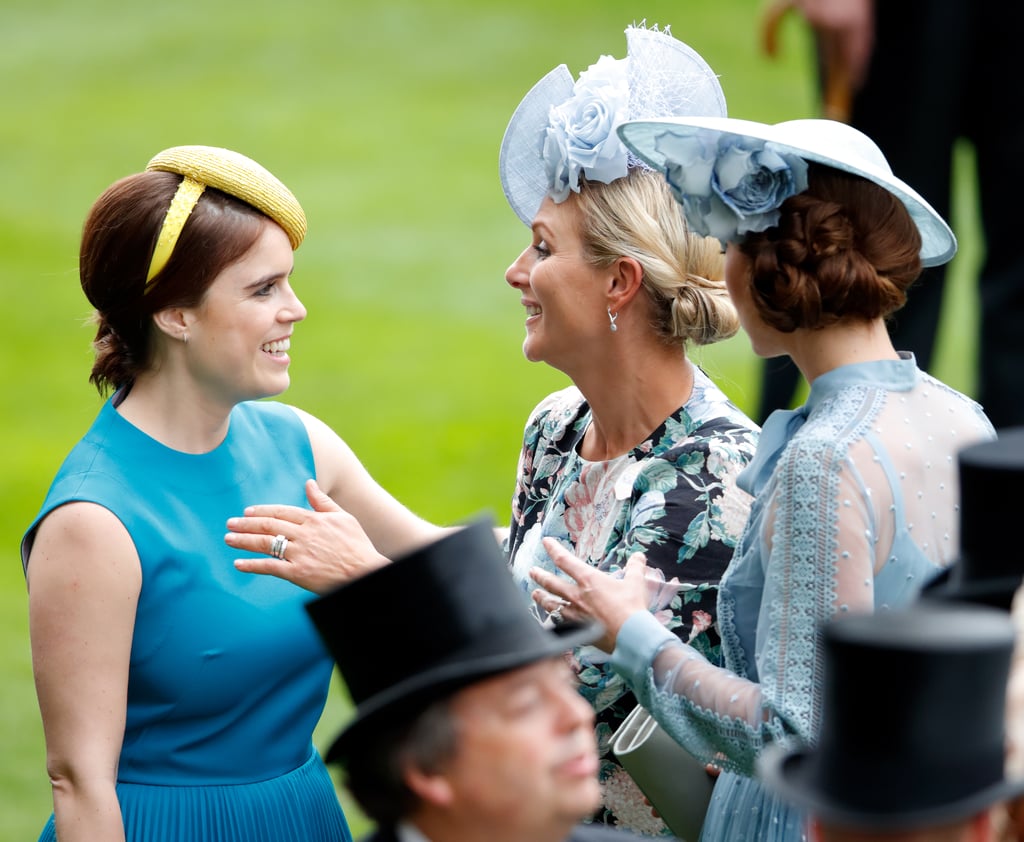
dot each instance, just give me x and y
(675, 782)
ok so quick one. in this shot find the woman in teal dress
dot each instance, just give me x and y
(178, 694)
(855, 493)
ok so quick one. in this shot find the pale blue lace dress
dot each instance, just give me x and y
(855, 508)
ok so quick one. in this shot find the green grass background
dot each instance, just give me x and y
(385, 120)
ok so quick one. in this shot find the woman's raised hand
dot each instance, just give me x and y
(592, 593)
(317, 550)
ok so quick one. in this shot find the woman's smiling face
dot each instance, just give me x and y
(239, 335)
(561, 290)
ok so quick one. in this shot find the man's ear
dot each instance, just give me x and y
(982, 827)
(431, 787)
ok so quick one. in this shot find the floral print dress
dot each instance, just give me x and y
(674, 497)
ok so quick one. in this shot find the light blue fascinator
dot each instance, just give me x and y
(563, 129)
(732, 175)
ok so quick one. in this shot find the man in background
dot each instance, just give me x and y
(918, 76)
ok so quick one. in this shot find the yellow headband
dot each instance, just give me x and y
(184, 201)
(231, 173)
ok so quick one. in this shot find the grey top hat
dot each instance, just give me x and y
(440, 618)
(913, 725)
(564, 128)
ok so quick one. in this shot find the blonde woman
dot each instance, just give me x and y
(641, 453)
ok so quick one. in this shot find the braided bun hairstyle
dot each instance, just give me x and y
(118, 239)
(844, 249)
(636, 216)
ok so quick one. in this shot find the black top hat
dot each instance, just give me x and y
(415, 631)
(990, 568)
(913, 723)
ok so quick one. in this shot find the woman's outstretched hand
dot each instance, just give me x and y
(592, 593)
(324, 547)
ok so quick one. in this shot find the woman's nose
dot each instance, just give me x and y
(518, 275)
(294, 308)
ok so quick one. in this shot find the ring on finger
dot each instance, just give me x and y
(278, 546)
(556, 615)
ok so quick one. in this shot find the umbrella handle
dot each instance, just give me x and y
(837, 90)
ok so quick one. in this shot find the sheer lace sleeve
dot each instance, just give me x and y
(818, 546)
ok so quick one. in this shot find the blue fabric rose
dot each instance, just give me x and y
(581, 132)
(729, 186)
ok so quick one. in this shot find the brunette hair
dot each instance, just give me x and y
(636, 216)
(844, 249)
(118, 239)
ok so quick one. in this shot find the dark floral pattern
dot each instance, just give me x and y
(673, 497)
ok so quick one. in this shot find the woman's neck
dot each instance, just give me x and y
(172, 411)
(817, 352)
(630, 400)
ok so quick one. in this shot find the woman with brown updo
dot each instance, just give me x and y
(855, 493)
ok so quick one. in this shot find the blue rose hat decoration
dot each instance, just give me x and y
(731, 176)
(563, 129)
(580, 135)
(729, 186)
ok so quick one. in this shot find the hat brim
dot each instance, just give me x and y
(995, 593)
(524, 179)
(794, 775)
(409, 697)
(819, 141)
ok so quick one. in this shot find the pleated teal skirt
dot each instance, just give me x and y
(301, 806)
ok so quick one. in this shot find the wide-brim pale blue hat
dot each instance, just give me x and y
(664, 142)
(661, 77)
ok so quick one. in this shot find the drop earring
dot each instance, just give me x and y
(184, 337)
(611, 318)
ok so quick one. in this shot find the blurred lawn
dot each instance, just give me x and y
(385, 120)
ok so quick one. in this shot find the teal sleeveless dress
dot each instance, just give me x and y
(227, 676)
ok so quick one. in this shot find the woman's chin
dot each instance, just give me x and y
(530, 351)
